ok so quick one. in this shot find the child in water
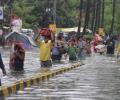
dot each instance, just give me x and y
(72, 52)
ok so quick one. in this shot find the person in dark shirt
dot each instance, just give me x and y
(17, 58)
(2, 67)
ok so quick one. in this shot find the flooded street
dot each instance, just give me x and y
(59, 50)
(98, 79)
(31, 66)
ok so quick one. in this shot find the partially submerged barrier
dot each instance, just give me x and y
(20, 85)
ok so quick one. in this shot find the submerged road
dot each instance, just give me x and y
(98, 79)
(31, 66)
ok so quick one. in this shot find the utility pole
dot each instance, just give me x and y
(52, 15)
(96, 16)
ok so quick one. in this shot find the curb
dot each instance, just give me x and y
(20, 85)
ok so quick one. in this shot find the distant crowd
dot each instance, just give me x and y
(54, 49)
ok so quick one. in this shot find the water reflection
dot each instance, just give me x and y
(97, 80)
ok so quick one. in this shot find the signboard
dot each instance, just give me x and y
(53, 27)
(1, 13)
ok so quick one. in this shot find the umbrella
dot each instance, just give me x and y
(16, 37)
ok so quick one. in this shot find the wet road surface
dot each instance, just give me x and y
(31, 66)
(98, 79)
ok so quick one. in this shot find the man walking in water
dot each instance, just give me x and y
(45, 52)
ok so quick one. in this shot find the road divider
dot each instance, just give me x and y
(33, 80)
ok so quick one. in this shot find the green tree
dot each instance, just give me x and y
(33, 12)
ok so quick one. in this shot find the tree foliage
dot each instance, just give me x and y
(33, 12)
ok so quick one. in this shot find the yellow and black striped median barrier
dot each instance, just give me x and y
(20, 85)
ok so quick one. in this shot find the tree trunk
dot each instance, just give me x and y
(80, 17)
(99, 14)
(87, 17)
(93, 15)
(96, 17)
(113, 17)
(102, 18)
(54, 5)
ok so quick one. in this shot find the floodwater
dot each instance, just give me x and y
(31, 66)
(98, 79)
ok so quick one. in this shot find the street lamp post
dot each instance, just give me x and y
(46, 18)
(49, 17)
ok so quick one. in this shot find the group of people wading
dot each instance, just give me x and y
(53, 50)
